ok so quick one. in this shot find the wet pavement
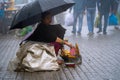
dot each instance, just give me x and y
(100, 54)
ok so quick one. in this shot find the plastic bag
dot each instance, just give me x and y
(113, 20)
(97, 21)
(69, 19)
(25, 30)
(2, 13)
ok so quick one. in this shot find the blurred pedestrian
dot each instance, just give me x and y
(114, 6)
(114, 9)
(91, 9)
(1, 16)
(78, 12)
(104, 7)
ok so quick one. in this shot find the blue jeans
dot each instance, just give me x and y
(78, 16)
(106, 15)
(90, 18)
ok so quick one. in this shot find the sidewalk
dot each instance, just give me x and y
(101, 58)
(100, 54)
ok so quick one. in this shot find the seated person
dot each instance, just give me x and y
(47, 33)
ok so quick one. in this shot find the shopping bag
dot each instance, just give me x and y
(113, 20)
(25, 30)
(2, 13)
(69, 19)
(97, 21)
(118, 17)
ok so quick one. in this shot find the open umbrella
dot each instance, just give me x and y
(31, 13)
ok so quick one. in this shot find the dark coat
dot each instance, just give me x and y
(114, 6)
(47, 33)
(79, 6)
(91, 3)
(104, 6)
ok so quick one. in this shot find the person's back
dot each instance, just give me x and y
(114, 6)
(104, 6)
(41, 33)
(91, 3)
(79, 5)
(43, 30)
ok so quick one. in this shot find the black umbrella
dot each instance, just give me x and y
(31, 13)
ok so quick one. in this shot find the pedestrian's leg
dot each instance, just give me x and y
(100, 24)
(116, 27)
(80, 23)
(105, 22)
(89, 20)
(75, 22)
(92, 19)
(0, 26)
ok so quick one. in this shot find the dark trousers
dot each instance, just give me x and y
(106, 15)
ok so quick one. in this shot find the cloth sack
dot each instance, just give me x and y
(36, 56)
(69, 19)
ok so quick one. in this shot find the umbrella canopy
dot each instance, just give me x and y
(31, 13)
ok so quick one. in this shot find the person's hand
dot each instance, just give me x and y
(69, 44)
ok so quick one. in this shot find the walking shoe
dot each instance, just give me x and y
(90, 33)
(79, 33)
(73, 32)
(104, 33)
(99, 31)
(116, 28)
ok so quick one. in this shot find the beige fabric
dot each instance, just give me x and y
(36, 56)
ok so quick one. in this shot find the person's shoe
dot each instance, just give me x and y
(73, 32)
(99, 31)
(90, 33)
(116, 28)
(105, 33)
(79, 33)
